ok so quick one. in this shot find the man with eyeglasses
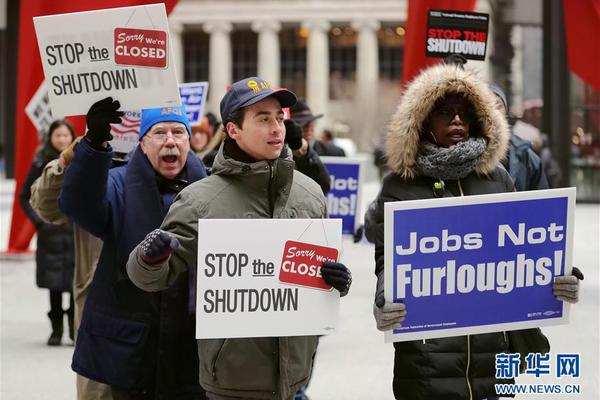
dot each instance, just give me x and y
(141, 344)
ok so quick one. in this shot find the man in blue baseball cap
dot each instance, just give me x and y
(138, 343)
(253, 176)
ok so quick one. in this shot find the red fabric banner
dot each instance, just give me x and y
(416, 26)
(29, 77)
(582, 26)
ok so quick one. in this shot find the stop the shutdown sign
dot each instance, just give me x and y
(141, 47)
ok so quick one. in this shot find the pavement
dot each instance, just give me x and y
(353, 363)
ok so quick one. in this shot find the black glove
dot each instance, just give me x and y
(293, 134)
(337, 275)
(99, 117)
(358, 234)
(157, 246)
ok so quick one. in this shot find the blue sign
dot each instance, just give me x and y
(193, 97)
(480, 265)
(343, 200)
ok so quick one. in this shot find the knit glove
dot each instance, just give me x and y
(566, 288)
(387, 315)
(337, 275)
(293, 134)
(99, 117)
(157, 246)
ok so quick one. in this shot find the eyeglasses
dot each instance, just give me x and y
(447, 115)
(162, 136)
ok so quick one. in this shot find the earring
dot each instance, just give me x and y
(433, 136)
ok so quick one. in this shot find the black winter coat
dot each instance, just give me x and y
(54, 254)
(459, 367)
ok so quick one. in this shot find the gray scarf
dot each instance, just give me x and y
(454, 162)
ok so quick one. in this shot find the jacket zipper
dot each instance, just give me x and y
(468, 336)
(270, 189)
(468, 366)
(214, 372)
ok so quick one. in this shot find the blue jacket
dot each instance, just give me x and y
(524, 166)
(128, 338)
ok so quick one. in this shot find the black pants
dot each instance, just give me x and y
(56, 302)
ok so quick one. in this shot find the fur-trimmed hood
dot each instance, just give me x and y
(417, 102)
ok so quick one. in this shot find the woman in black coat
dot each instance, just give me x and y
(54, 254)
(446, 139)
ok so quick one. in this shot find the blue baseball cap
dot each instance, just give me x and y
(250, 91)
(152, 116)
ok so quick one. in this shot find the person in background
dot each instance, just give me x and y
(201, 135)
(54, 253)
(523, 165)
(329, 147)
(44, 200)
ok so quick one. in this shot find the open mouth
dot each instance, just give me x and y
(169, 159)
(276, 142)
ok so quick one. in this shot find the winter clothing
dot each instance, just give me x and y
(328, 149)
(44, 200)
(457, 367)
(54, 253)
(129, 339)
(455, 162)
(152, 116)
(258, 368)
(524, 166)
(98, 119)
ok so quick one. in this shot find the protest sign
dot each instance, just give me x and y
(478, 264)
(38, 110)
(120, 52)
(126, 134)
(193, 97)
(344, 198)
(261, 278)
(456, 32)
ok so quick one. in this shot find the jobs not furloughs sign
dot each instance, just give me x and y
(120, 52)
(267, 283)
(344, 197)
(456, 32)
(478, 264)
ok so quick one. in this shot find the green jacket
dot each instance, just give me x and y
(261, 368)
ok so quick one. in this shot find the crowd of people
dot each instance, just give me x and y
(120, 235)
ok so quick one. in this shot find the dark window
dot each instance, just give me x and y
(244, 43)
(195, 44)
(292, 42)
(342, 62)
(391, 52)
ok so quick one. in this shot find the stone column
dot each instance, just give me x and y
(268, 50)
(219, 68)
(317, 69)
(176, 30)
(367, 78)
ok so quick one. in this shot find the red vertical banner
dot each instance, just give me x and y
(582, 26)
(416, 26)
(29, 77)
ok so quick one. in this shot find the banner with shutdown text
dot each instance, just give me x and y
(478, 264)
(261, 278)
(121, 52)
(456, 32)
(344, 198)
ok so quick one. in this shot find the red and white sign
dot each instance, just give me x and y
(246, 289)
(301, 264)
(141, 47)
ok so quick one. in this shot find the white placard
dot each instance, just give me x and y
(259, 278)
(120, 52)
(38, 110)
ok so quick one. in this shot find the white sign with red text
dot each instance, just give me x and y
(262, 278)
(120, 52)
